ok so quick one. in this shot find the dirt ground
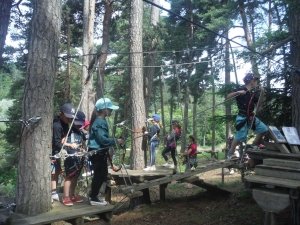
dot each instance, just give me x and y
(196, 206)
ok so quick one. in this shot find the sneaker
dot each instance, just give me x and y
(231, 171)
(75, 198)
(55, 197)
(167, 165)
(67, 201)
(254, 147)
(153, 168)
(147, 169)
(87, 174)
(97, 201)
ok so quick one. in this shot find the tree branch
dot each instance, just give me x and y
(277, 45)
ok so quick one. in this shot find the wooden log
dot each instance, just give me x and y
(210, 187)
(76, 221)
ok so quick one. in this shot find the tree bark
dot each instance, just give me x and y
(33, 195)
(151, 58)
(248, 36)
(136, 83)
(294, 27)
(88, 94)
(227, 81)
(104, 48)
(5, 7)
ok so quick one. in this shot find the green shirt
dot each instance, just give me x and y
(99, 136)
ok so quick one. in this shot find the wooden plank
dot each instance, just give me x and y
(61, 212)
(277, 171)
(280, 182)
(134, 194)
(177, 176)
(282, 163)
(271, 200)
(210, 187)
(190, 179)
(271, 146)
(263, 154)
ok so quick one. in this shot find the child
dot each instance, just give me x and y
(246, 102)
(153, 139)
(75, 143)
(60, 130)
(172, 139)
(85, 129)
(191, 154)
(99, 140)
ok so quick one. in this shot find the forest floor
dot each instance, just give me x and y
(197, 206)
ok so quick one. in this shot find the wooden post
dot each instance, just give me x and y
(162, 191)
(146, 196)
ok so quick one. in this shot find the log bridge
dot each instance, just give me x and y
(138, 192)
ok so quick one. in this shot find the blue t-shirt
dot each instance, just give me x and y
(99, 136)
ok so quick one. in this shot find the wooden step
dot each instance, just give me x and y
(282, 163)
(279, 182)
(277, 171)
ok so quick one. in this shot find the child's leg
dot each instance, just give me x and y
(166, 149)
(67, 186)
(233, 146)
(73, 184)
(173, 151)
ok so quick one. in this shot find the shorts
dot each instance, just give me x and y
(73, 166)
(55, 166)
(241, 135)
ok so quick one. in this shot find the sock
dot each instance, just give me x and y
(53, 192)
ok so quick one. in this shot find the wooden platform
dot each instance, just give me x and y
(72, 214)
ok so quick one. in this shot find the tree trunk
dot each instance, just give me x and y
(151, 58)
(67, 78)
(195, 116)
(104, 48)
(248, 36)
(294, 27)
(227, 81)
(5, 7)
(33, 195)
(136, 83)
(162, 105)
(88, 94)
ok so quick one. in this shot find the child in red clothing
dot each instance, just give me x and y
(191, 153)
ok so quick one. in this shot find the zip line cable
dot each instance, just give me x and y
(216, 33)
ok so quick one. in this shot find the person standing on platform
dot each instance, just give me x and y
(99, 141)
(73, 164)
(153, 139)
(246, 101)
(172, 139)
(60, 130)
(191, 154)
